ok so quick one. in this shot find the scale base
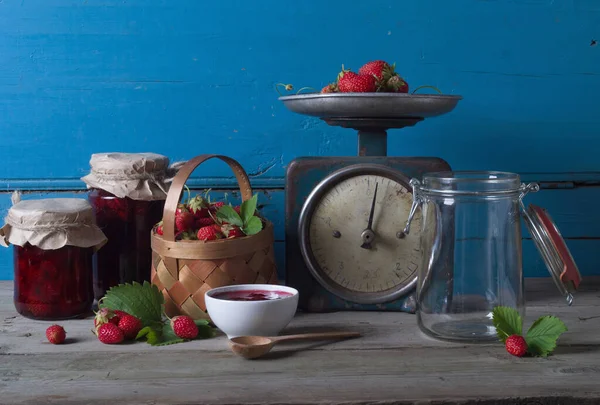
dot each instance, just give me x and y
(303, 175)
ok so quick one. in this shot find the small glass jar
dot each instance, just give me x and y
(53, 284)
(127, 193)
(472, 251)
(54, 241)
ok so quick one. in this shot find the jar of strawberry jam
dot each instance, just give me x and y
(54, 241)
(127, 193)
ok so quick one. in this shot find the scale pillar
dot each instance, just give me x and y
(372, 132)
(372, 142)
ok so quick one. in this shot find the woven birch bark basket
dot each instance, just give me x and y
(185, 270)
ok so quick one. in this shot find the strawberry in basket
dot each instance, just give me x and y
(201, 219)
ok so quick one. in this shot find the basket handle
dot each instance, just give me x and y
(182, 176)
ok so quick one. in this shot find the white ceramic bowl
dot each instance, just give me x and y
(251, 318)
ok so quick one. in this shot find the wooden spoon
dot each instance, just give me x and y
(251, 347)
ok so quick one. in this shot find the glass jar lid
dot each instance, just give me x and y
(553, 249)
(139, 176)
(51, 224)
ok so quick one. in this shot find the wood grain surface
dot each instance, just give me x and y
(392, 363)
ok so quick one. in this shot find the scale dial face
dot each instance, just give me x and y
(357, 262)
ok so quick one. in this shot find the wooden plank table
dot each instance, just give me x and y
(392, 363)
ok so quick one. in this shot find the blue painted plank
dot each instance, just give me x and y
(154, 76)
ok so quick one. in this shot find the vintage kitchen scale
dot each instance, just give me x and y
(345, 249)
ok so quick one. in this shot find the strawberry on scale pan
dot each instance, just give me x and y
(374, 76)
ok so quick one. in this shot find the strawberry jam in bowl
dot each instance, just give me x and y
(252, 295)
(251, 309)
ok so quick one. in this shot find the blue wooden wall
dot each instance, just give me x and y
(188, 77)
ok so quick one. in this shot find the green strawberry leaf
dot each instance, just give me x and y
(143, 301)
(228, 214)
(507, 322)
(143, 332)
(153, 335)
(253, 226)
(205, 332)
(248, 208)
(542, 335)
(168, 336)
(201, 322)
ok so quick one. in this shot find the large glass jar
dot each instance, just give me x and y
(54, 241)
(471, 244)
(127, 223)
(127, 193)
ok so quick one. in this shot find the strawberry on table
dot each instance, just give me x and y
(184, 327)
(56, 334)
(105, 315)
(110, 334)
(130, 325)
(516, 345)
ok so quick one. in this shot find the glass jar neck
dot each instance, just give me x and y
(483, 183)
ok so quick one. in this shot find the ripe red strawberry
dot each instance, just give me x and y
(130, 325)
(184, 327)
(397, 84)
(56, 334)
(330, 88)
(232, 232)
(120, 313)
(197, 206)
(214, 207)
(110, 334)
(159, 228)
(202, 222)
(238, 209)
(350, 82)
(210, 232)
(105, 315)
(516, 345)
(184, 219)
(378, 68)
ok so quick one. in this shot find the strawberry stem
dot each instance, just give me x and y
(424, 87)
(304, 88)
(189, 193)
(287, 87)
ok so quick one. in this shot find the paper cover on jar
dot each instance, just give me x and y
(51, 224)
(139, 176)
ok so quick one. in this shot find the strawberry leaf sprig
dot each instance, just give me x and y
(540, 338)
(145, 302)
(246, 220)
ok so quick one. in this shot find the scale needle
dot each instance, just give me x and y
(368, 235)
